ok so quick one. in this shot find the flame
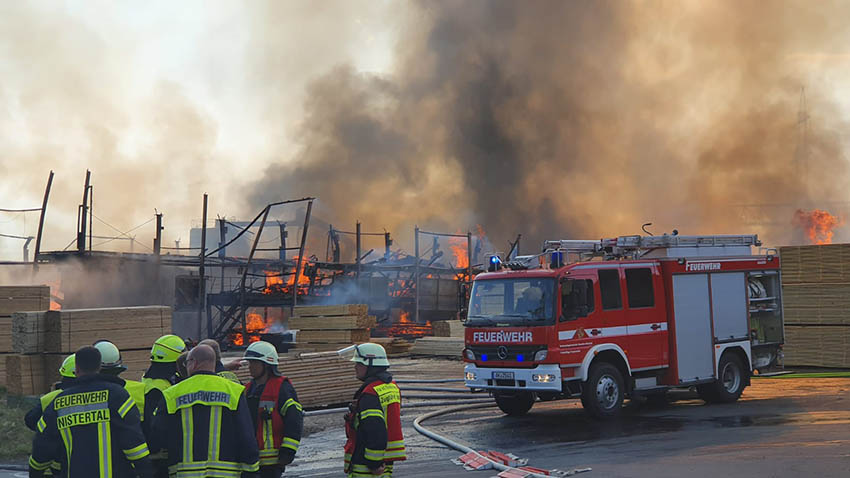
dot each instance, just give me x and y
(255, 325)
(407, 327)
(56, 294)
(818, 225)
(459, 250)
(275, 283)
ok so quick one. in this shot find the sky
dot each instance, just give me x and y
(164, 101)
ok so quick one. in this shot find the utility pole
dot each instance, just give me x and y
(157, 240)
(283, 235)
(416, 273)
(82, 216)
(359, 252)
(202, 289)
(388, 242)
(41, 222)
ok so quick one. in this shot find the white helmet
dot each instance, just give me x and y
(370, 354)
(110, 356)
(261, 351)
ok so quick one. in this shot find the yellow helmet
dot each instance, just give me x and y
(110, 356)
(167, 348)
(370, 354)
(262, 351)
(69, 367)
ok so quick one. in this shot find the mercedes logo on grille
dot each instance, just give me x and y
(502, 352)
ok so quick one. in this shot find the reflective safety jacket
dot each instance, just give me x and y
(94, 426)
(137, 391)
(373, 428)
(278, 420)
(222, 372)
(153, 397)
(205, 425)
(35, 413)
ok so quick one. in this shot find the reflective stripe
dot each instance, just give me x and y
(62, 412)
(373, 455)
(290, 443)
(126, 407)
(41, 425)
(188, 433)
(37, 465)
(363, 470)
(395, 454)
(372, 413)
(212, 469)
(69, 445)
(140, 451)
(290, 402)
(215, 434)
(104, 443)
(268, 438)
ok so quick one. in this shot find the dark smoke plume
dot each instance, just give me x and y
(578, 119)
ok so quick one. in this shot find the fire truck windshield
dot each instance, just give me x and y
(521, 301)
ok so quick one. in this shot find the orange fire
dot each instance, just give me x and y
(255, 324)
(275, 282)
(459, 250)
(818, 225)
(407, 327)
(56, 294)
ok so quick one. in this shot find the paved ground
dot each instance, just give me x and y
(781, 427)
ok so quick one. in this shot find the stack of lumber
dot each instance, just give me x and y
(331, 327)
(451, 347)
(447, 328)
(319, 382)
(816, 297)
(395, 347)
(42, 340)
(17, 299)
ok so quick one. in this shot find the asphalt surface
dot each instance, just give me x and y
(780, 427)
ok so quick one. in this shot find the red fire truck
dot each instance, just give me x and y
(619, 318)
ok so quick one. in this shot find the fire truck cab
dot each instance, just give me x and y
(619, 318)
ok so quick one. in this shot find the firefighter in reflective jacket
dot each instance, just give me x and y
(111, 364)
(205, 425)
(278, 417)
(94, 426)
(373, 423)
(160, 375)
(66, 371)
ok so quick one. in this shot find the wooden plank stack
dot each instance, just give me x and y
(331, 327)
(816, 297)
(42, 340)
(395, 347)
(319, 382)
(447, 328)
(450, 347)
(16, 299)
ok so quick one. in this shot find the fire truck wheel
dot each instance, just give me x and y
(515, 405)
(731, 382)
(603, 392)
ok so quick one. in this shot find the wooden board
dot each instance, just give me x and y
(25, 374)
(318, 382)
(332, 336)
(815, 264)
(24, 299)
(820, 304)
(5, 334)
(349, 322)
(450, 347)
(817, 346)
(447, 328)
(29, 332)
(129, 328)
(330, 310)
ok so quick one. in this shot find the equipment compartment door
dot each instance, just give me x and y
(729, 306)
(692, 315)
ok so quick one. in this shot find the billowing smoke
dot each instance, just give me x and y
(579, 119)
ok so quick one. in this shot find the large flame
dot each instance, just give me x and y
(56, 294)
(275, 283)
(407, 327)
(819, 225)
(459, 249)
(255, 325)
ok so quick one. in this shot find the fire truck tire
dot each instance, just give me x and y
(603, 393)
(731, 384)
(515, 405)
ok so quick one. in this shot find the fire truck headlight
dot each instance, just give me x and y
(469, 354)
(543, 378)
(541, 355)
(471, 376)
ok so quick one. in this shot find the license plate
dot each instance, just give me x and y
(503, 375)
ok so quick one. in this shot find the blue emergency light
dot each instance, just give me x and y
(557, 259)
(483, 357)
(520, 358)
(495, 264)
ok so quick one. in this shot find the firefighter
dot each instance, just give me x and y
(278, 417)
(182, 374)
(222, 370)
(66, 371)
(94, 425)
(373, 423)
(204, 424)
(112, 365)
(161, 374)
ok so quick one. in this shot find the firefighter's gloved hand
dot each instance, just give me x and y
(285, 456)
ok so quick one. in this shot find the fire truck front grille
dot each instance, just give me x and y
(511, 353)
